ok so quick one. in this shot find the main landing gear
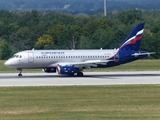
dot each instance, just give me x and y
(80, 74)
(20, 73)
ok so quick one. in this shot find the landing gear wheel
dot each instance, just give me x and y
(80, 74)
(20, 75)
(71, 74)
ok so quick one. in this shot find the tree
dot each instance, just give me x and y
(56, 32)
(130, 16)
(65, 36)
(117, 35)
(69, 37)
(151, 43)
(84, 43)
(6, 51)
(95, 24)
(45, 42)
(23, 39)
(99, 39)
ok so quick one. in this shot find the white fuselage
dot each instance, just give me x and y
(51, 58)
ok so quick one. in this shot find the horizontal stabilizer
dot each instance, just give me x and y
(141, 54)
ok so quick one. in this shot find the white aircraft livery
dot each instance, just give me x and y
(74, 61)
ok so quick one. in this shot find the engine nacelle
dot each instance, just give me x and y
(49, 70)
(67, 70)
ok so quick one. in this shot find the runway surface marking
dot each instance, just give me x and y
(90, 78)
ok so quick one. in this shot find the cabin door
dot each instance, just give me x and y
(30, 57)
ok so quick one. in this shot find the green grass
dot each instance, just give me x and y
(140, 65)
(127, 102)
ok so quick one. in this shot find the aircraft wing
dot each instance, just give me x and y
(86, 64)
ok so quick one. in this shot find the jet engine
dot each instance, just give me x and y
(49, 70)
(67, 70)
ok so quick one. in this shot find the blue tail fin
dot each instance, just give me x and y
(133, 41)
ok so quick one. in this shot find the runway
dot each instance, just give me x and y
(90, 78)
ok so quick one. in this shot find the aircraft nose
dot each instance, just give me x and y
(7, 63)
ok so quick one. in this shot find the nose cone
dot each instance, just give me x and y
(7, 63)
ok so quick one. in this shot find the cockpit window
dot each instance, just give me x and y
(17, 56)
(13, 56)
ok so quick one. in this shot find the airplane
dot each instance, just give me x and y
(72, 62)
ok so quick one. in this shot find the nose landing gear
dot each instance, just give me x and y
(20, 73)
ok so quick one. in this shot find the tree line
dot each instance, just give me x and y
(52, 30)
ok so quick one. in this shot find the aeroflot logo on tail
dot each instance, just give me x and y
(57, 53)
(134, 39)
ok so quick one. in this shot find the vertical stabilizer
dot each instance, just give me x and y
(133, 41)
